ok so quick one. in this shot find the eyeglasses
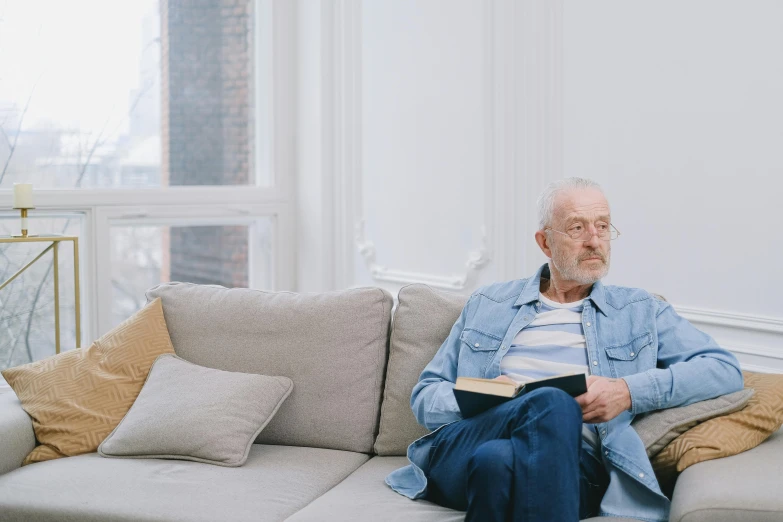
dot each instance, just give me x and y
(578, 232)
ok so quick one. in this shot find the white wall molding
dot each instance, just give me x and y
(732, 320)
(347, 143)
(502, 92)
(760, 369)
(538, 113)
(757, 341)
(476, 261)
(523, 48)
(341, 34)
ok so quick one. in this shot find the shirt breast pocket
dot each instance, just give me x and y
(478, 349)
(631, 357)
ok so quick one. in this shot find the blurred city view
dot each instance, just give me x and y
(118, 95)
(54, 140)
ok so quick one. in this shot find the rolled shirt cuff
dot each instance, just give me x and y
(646, 389)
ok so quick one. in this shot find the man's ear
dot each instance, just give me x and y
(543, 243)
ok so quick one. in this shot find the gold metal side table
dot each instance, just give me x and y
(55, 241)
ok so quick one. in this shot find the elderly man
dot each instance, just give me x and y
(547, 456)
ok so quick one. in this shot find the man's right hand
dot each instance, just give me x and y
(505, 378)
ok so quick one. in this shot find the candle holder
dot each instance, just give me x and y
(23, 211)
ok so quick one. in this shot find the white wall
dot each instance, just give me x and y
(427, 129)
(677, 108)
(313, 266)
(422, 133)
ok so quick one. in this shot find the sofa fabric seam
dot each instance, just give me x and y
(378, 373)
(382, 420)
(686, 516)
(328, 490)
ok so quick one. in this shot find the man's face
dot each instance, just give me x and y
(583, 262)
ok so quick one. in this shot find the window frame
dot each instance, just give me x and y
(272, 157)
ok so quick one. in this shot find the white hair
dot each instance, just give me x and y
(546, 201)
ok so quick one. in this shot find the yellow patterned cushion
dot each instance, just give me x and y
(78, 397)
(727, 435)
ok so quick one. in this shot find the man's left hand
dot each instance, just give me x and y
(605, 399)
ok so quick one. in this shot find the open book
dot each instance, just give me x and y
(477, 395)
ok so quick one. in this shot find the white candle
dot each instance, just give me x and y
(23, 195)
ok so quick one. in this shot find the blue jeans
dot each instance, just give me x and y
(520, 461)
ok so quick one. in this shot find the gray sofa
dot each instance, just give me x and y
(343, 429)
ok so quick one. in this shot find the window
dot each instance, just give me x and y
(150, 130)
(143, 255)
(126, 94)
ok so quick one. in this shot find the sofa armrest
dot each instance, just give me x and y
(17, 438)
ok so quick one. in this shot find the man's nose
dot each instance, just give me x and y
(594, 241)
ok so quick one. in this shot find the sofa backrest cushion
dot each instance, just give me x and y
(422, 321)
(332, 345)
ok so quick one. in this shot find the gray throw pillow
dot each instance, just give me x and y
(189, 412)
(658, 428)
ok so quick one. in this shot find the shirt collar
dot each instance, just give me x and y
(532, 290)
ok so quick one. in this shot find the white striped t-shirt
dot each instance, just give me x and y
(553, 344)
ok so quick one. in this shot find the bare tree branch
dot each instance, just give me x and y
(5, 135)
(99, 142)
(127, 293)
(101, 138)
(18, 129)
(35, 302)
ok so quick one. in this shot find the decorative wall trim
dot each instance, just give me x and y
(476, 261)
(348, 147)
(732, 320)
(523, 62)
(759, 369)
(757, 341)
(756, 359)
(538, 112)
(341, 116)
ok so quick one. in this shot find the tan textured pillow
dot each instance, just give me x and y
(78, 397)
(730, 434)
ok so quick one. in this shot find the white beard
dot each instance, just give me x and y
(571, 271)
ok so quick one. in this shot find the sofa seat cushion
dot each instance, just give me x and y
(741, 487)
(365, 496)
(275, 482)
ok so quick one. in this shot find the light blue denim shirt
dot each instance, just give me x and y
(664, 359)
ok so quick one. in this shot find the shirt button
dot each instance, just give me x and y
(587, 323)
(641, 475)
(595, 363)
(476, 345)
(527, 317)
(603, 433)
(631, 354)
(538, 303)
(606, 453)
(502, 346)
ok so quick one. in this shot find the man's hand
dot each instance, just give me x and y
(505, 378)
(605, 399)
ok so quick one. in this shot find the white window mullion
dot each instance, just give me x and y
(101, 275)
(107, 218)
(88, 264)
(88, 198)
(284, 249)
